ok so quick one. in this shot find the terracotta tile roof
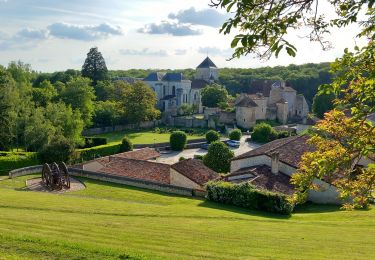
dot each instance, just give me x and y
(290, 150)
(141, 154)
(262, 177)
(195, 170)
(137, 169)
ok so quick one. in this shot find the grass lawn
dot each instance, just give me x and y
(142, 137)
(107, 221)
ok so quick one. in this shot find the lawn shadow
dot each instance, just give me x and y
(234, 209)
(310, 207)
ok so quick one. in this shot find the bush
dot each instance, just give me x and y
(282, 134)
(218, 157)
(198, 157)
(181, 159)
(59, 150)
(94, 141)
(212, 136)
(178, 140)
(247, 196)
(98, 151)
(235, 134)
(10, 161)
(263, 133)
(126, 145)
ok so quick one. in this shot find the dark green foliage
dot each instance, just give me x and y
(198, 157)
(263, 133)
(212, 136)
(94, 141)
(213, 95)
(178, 140)
(10, 161)
(235, 134)
(59, 150)
(94, 66)
(126, 145)
(282, 134)
(218, 157)
(181, 159)
(247, 196)
(322, 103)
(98, 151)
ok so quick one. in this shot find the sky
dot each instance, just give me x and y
(54, 35)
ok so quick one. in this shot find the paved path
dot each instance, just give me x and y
(173, 157)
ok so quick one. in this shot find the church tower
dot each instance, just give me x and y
(207, 71)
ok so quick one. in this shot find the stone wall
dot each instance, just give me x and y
(25, 171)
(117, 128)
(188, 122)
(132, 182)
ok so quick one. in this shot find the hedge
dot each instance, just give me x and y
(126, 145)
(94, 141)
(247, 196)
(235, 134)
(98, 151)
(10, 161)
(212, 136)
(178, 140)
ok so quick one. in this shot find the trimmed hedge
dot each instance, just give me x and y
(263, 133)
(10, 161)
(235, 134)
(94, 141)
(212, 136)
(178, 140)
(126, 145)
(98, 151)
(247, 196)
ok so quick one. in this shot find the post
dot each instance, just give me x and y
(275, 163)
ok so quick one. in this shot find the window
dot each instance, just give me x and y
(174, 90)
(164, 90)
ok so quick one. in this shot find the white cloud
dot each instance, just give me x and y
(144, 52)
(170, 28)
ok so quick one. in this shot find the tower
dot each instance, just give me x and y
(207, 71)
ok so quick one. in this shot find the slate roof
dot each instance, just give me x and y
(290, 150)
(246, 102)
(195, 170)
(207, 63)
(262, 177)
(160, 76)
(154, 76)
(173, 77)
(199, 83)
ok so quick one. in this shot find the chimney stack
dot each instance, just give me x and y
(275, 163)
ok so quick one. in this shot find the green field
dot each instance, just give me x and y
(107, 221)
(142, 137)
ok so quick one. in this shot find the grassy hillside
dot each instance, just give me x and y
(108, 221)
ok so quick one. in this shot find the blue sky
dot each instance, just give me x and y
(56, 35)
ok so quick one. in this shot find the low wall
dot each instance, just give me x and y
(131, 182)
(25, 171)
(117, 128)
(195, 143)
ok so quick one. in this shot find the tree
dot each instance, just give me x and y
(263, 133)
(107, 113)
(126, 145)
(80, 95)
(218, 157)
(186, 109)
(235, 134)
(322, 103)
(139, 103)
(213, 95)
(58, 150)
(178, 140)
(94, 66)
(44, 94)
(212, 136)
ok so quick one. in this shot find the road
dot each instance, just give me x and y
(171, 157)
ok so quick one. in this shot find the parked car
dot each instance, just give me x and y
(233, 143)
(205, 146)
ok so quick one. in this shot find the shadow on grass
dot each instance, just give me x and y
(234, 209)
(310, 207)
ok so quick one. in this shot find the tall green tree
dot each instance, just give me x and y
(94, 66)
(139, 103)
(214, 95)
(322, 103)
(80, 95)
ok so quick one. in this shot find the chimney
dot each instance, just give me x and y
(275, 163)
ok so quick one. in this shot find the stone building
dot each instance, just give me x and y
(246, 110)
(173, 89)
(274, 101)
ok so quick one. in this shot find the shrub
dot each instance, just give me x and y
(235, 134)
(263, 133)
(178, 140)
(59, 150)
(212, 136)
(247, 196)
(218, 157)
(94, 141)
(181, 159)
(10, 161)
(198, 157)
(282, 134)
(126, 145)
(98, 151)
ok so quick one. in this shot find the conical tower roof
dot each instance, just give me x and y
(207, 63)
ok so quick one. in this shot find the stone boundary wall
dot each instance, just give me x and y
(195, 143)
(25, 171)
(132, 182)
(117, 128)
